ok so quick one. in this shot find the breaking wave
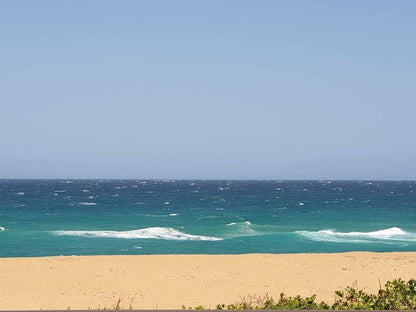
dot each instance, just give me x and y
(239, 229)
(147, 233)
(385, 235)
(2, 229)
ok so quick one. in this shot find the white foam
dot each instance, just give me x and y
(394, 233)
(87, 204)
(173, 214)
(239, 229)
(20, 193)
(240, 223)
(147, 233)
(2, 229)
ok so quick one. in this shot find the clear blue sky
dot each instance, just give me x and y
(208, 89)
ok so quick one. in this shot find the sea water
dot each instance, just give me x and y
(105, 217)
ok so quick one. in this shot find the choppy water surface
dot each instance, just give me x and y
(80, 217)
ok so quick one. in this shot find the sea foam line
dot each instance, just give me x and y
(390, 234)
(146, 233)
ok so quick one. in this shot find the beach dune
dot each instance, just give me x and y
(171, 281)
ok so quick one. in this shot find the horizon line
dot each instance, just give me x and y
(209, 179)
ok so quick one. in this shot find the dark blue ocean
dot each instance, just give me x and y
(105, 217)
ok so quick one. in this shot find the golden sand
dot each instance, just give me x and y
(170, 281)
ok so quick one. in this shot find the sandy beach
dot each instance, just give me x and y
(170, 281)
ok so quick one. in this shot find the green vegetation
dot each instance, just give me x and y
(396, 295)
(284, 303)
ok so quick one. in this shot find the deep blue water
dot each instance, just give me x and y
(94, 217)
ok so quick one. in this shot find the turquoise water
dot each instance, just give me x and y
(95, 217)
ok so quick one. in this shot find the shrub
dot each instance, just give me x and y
(397, 295)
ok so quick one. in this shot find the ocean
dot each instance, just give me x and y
(137, 217)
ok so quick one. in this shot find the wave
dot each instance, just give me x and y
(147, 233)
(87, 204)
(385, 235)
(2, 229)
(239, 229)
(239, 223)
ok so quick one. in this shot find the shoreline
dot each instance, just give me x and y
(217, 254)
(171, 281)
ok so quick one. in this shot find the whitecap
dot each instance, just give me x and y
(2, 229)
(20, 193)
(239, 229)
(173, 214)
(245, 222)
(385, 235)
(87, 204)
(146, 233)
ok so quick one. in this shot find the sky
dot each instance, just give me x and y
(208, 89)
